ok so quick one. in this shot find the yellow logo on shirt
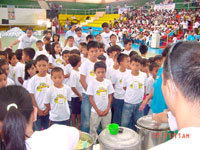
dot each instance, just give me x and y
(101, 90)
(140, 85)
(41, 86)
(131, 86)
(14, 75)
(92, 73)
(60, 99)
(120, 81)
(59, 61)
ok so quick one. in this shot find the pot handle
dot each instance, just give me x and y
(142, 133)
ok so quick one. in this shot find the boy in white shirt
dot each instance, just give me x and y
(84, 52)
(70, 44)
(37, 88)
(74, 82)
(56, 99)
(143, 50)
(118, 79)
(20, 68)
(112, 51)
(87, 75)
(12, 65)
(100, 92)
(134, 85)
(40, 50)
(113, 39)
(127, 46)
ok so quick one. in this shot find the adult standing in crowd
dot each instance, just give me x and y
(79, 37)
(181, 90)
(25, 40)
(71, 32)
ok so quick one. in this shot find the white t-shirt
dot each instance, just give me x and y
(25, 84)
(70, 48)
(10, 81)
(12, 72)
(57, 98)
(150, 82)
(67, 69)
(38, 86)
(196, 25)
(118, 80)
(109, 62)
(56, 62)
(109, 73)
(187, 138)
(58, 137)
(83, 59)
(127, 52)
(87, 69)
(43, 52)
(78, 40)
(106, 37)
(185, 25)
(26, 41)
(100, 92)
(20, 71)
(135, 88)
(74, 81)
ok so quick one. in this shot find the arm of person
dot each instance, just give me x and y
(110, 99)
(145, 101)
(76, 92)
(83, 82)
(99, 112)
(48, 108)
(50, 66)
(14, 43)
(67, 75)
(40, 112)
(20, 80)
(160, 117)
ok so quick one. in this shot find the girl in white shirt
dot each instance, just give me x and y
(18, 115)
(55, 59)
(30, 71)
(12, 65)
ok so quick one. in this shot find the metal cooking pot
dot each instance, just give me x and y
(126, 140)
(86, 137)
(151, 132)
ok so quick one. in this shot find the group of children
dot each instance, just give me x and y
(82, 86)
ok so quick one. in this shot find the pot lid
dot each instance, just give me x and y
(148, 123)
(128, 138)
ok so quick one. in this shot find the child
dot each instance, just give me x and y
(84, 52)
(158, 59)
(70, 44)
(118, 79)
(5, 66)
(48, 48)
(75, 51)
(56, 38)
(111, 70)
(57, 97)
(143, 50)
(20, 66)
(145, 66)
(101, 58)
(112, 51)
(3, 55)
(67, 68)
(100, 92)
(153, 68)
(127, 46)
(77, 89)
(37, 88)
(30, 71)
(87, 75)
(55, 59)
(3, 79)
(102, 50)
(133, 53)
(98, 38)
(113, 41)
(46, 40)
(134, 85)
(40, 50)
(89, 38)
(12, 65)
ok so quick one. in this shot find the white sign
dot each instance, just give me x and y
(164, 7)
(123, 10)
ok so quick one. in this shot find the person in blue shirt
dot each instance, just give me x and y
(192, 36)
(71, 32)
(158, 104)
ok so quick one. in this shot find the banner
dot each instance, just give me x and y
(123, 9)
(11, 12)
(164, 7)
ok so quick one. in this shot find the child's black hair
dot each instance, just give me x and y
(121, 57)
(153, 65)
(144, 62)
(57, 69)
(101, 58)
(29, 52)
(47, 38)
(48, 48)
(78, 29)
(74, 60)
(158, 57)
(89, 37)
(2, 71)
(92, 44)
(3, 62)
(65, 52)
(11, 55)
(126, 41)
(136, 58)
(70, 37)
(15, 118)
(57, 36)
(143, 49)
(29, 28)
(99, 64)
(3, 53)
(105, 24)
(18, 53)
(53, 53)
(151, 60)
(8, 51)
(39, 41)
(116, 48)
(75, 51)
(28, 65)
(109, 51)
(83, 45)
(133, 53)
(102, 45)
(41, 57)
(113, 35)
